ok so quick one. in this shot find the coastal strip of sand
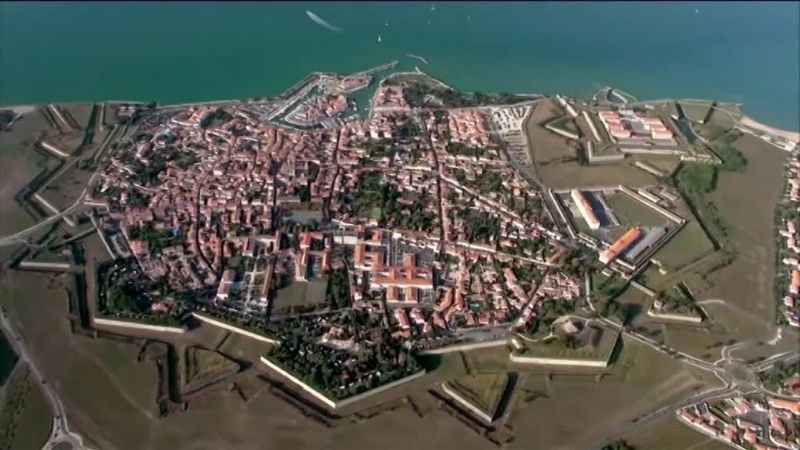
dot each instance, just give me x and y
(748, 122)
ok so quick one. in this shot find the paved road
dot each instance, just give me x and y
(60, 434)
(734, 385)
(19, 237)
(738, 377)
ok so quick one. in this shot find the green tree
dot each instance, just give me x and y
(618, 445)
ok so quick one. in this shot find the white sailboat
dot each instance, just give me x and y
(379, 38)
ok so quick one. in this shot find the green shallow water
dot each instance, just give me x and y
(180, 52)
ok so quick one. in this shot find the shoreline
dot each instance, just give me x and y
(747, 121)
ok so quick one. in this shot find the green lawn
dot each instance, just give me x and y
(631, 213)
(487, 360)
(696, 111)
(483, 390)
(666, 166)
(690, 244)
(565, 123)
(204, 365)
(718, 123)
(605, 346)
(300, 293)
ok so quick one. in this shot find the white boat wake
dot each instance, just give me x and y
(322, 22)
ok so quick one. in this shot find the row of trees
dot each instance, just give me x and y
(373, 195)
(480, 226)
(379, 359)
(157, 240)
(337, 293)
(419, 95)
(457, 148)
(489, 182)
(417, 216)
(676, 300)
(774, 379)
(129, 296)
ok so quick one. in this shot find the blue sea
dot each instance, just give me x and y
(183, 51)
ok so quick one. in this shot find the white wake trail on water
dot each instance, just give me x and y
(322, 22)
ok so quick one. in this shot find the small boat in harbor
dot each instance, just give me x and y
(379, 38)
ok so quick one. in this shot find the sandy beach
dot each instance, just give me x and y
(793, 136)
(21, 109)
